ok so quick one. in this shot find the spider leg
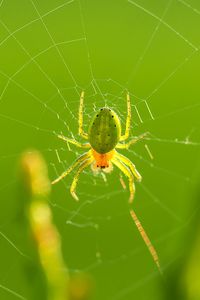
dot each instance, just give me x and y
(84, 165)
(128, 173)
(128, 119)
(146, 240)
(80, 121)
(79, 160)
(129, 163)
(131, 142)
(74, 142)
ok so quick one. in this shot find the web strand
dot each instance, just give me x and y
(146, 240)
(164, 23)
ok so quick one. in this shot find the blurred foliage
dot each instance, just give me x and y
(183, 280)
(46, 237)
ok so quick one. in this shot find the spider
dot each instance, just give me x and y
(104, 137)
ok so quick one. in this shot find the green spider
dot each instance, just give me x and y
(104, 137)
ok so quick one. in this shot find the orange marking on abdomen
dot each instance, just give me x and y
(102, 160)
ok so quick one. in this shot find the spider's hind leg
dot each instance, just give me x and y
(128, 119)
(80, 119)
(73, 141)
(132, 141)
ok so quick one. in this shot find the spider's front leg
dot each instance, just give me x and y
(128, 173)
(79, 160)
(84, 165)
(129, 163)
(80, 120)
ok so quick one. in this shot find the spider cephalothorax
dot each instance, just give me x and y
(104, 137)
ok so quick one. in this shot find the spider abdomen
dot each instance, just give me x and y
(104, 130)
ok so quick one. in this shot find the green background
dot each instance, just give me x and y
(49, 52)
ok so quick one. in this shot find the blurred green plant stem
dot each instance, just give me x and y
(190, 280)
(41, 224)
(46, 237)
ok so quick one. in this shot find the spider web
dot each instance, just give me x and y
(50, 52)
